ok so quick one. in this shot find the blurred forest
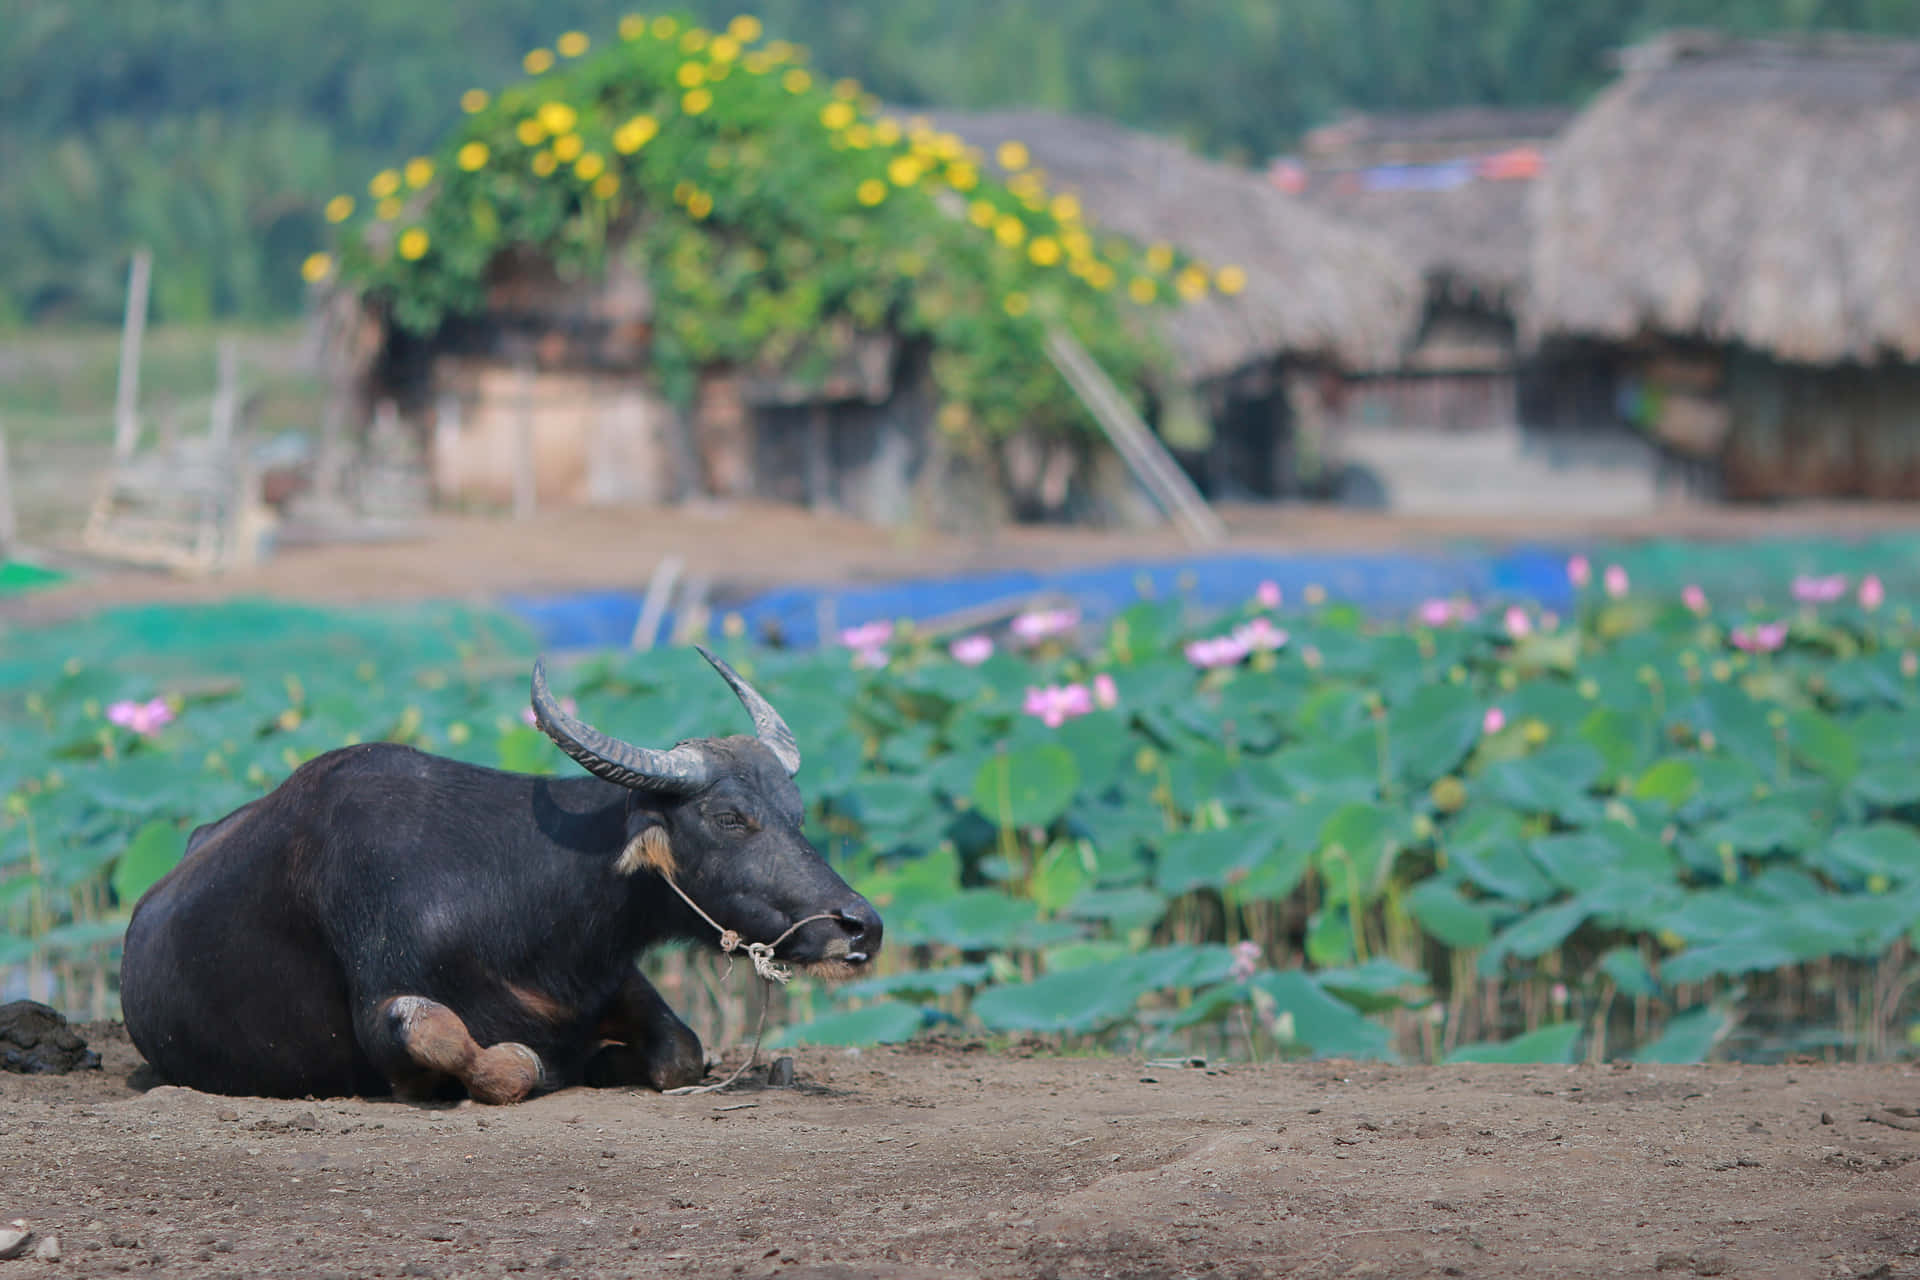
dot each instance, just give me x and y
(213, 130)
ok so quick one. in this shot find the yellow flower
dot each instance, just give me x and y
(1100, 275)
(870, 192)
(1016, 303)
(1230, 280)
(962, 176)
(981, 213)
(682, 190)
(419, 172)
(694, 41)
(632, 27)
(567, 149)
(537, 61)
(413, 244)
(340, 208)
(1160, 257)
(316, 268)
(473, 156)
(1013, 156)
(903, 171)
(723, 49)
(846, 90)
(634, 134)
(545, 162)
(745, 28)
(1045, 251)
(606, 185)
(384, 184)
(474, 100)
(948, 147)
(1078, 243)
(699, 204)
(558, 118)
(389, 209)
(572, 44)
(718, 71)
(1142, 290)
(859, 137)
(1024, 185)
(691, 75)
(782, 51)
(1066, 208)
(664, 27)
(1009, 230)
(886, 132)
(796, 80)
(836, 115)
(694, 101)
(530, 132)
(1192, 283)
(589, 166)
(757, 63)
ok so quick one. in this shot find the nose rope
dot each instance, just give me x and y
(761, 954)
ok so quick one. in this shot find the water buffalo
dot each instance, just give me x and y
(391, 921)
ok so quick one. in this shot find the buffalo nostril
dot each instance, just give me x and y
(861, 925)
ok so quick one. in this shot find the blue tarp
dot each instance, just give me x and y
(1381, 582)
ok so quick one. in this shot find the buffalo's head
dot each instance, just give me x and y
(722, 818)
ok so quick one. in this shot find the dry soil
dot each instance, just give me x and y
(952, 1161)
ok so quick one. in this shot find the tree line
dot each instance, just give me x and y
(213, 131)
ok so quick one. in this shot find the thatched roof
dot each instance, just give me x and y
(1313, 287)
(1755, 192)
(1470, 237)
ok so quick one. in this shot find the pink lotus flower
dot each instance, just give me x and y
(1910, 664)
(868, 635)
(1518, 623)
(1057, 704)
(971, 651)
(1440, 613)
(1763, 637)
(1044, 624)
(144, 718)
(1106, 694)
(1694, 598)
(1494, 721)
(1220, 651)
(1809, 589)
(567, 705)
(1872, 593)
(1579, 572)
(870, 659)
(1267, 594)
(1615, 580)
(1246, 960)
(1259, 636)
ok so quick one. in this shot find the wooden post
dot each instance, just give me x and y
(1144, 454)
(9, 526)
(525, 482)
(126, 399)
(646, 628)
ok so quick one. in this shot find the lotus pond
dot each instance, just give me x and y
(1660, 827)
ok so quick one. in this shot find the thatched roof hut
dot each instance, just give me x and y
(1314, 289)
(1448, 189)
(1751, 193)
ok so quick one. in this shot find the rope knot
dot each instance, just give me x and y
(730, 941)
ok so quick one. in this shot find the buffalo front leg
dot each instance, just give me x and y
(646, 1043)
(420, 1043)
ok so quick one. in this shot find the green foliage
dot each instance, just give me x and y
(776, 220)
(121, 84)
(1138, 875)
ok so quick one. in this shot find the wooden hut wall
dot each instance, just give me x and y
(1796, 431)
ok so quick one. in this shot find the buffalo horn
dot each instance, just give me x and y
(767, 724)
(681, 771)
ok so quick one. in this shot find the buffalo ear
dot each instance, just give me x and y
(648, 848)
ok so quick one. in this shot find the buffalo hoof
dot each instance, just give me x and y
(36, 1040)
(503, 1074)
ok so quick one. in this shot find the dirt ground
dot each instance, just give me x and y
(751, 546)
(951, 1161)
